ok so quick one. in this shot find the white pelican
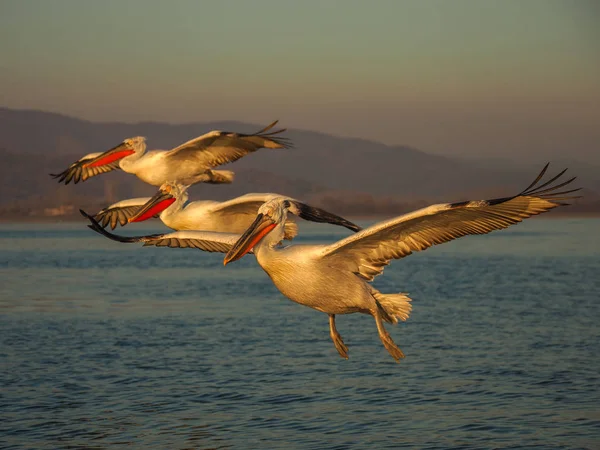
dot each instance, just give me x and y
(335, 278)
(183, 164)
(171, 204)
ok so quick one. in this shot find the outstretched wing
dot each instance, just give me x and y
(319, 215)
(220, 147)
(81, 169)
(367, 253)
(202, 240)
(120, 212)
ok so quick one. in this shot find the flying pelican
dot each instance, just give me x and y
(184, 164)
(335, 278)
(171, 204)
(240, 205)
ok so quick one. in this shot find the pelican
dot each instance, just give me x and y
(171, 204)
(184, 164)
(335, 278)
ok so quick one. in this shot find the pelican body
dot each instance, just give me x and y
(173, 208)
(335, 278)
(185, 164)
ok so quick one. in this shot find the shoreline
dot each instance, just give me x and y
(76, 219)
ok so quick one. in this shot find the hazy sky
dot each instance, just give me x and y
(505, 77)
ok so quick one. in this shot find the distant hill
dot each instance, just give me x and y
(320, 168)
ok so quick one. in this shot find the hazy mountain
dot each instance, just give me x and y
(34, 143)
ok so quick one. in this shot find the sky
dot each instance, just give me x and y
(503, 78)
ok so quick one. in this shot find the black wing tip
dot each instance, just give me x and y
(84, 214)
(93, 218)
(541, 190)
(100, 230)
(353, 227)
(547, 189)
(268, 127)
(66, 176)
(115, 237)
(263, 131)
(537, 189)
(61, 176)
(319, 215)
(280, 142)
(283, 142)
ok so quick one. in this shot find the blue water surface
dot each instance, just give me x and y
(106, 345)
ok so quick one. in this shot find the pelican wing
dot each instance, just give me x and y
(246, 206)
(220, 147)
(367, 253)
(208, 241)
(81, 171)
(120, 212)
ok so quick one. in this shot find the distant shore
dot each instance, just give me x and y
(76, 218)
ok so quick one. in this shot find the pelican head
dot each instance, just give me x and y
(137, 144)
(275, 209)
(167, 194)
(130, 146)
(270, 219)
(270, 214)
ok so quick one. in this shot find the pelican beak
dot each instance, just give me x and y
(114, 154)
(261, 226)
(157, 204)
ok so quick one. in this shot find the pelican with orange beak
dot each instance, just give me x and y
(335, 278)
(184, 164)
(171, 205)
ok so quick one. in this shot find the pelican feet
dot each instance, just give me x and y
(337, 338)
(391, 347)
(386, 339)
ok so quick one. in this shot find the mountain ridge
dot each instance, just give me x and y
(34, 143)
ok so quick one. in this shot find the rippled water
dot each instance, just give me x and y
(105, 345)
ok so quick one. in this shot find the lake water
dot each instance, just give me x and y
(108, 345)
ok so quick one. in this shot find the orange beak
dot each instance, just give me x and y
(112, 155)
(261, 226)
(152, 207)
